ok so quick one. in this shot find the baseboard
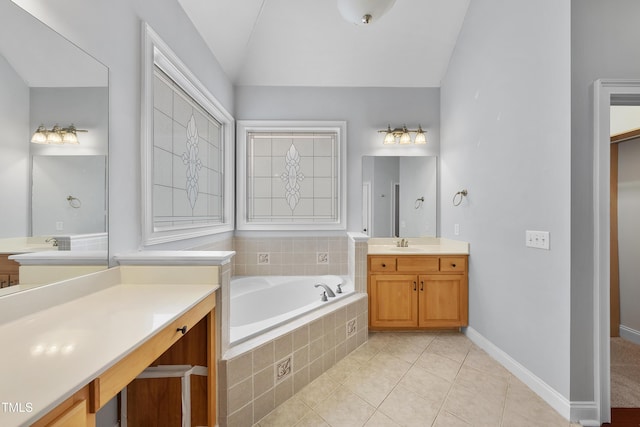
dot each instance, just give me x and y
(586, 412)
(541, 388)
(629, 334)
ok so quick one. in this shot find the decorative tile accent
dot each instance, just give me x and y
(352, 327)
(263, 258)
(322, 257)
(283, 369)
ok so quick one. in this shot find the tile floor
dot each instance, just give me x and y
(415, 379)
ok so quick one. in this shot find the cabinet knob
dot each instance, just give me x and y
(183, 330)
(453, 265)
(384, 265)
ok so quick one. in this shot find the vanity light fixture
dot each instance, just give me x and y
(364, 12)
(56, 135)
(403, 135)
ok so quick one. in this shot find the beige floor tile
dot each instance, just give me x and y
(405, 351)
(426, 384)
(318, 390)
(344, 408)
(366, 351)
(312, 420)
(408, 409)
(452, 383)
(446, 419)
(451, 347)
(482, 383)
(388, 365)
(370, 385)
(524, 407)
(287, 414)
(480, 360)
(439, 365)
(378, 419)
(344, 368)
(473, 407)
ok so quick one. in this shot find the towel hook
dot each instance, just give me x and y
(462, 194)
(419, 202)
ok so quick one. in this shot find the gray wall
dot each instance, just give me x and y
(14, 152)
(111, 32)
(505, 106)
(365, 109)
(604, 44)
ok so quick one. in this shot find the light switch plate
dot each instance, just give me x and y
(537, 239)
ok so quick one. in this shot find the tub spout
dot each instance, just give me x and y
(326, 288)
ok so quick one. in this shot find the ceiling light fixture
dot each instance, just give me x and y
(56, 135)
(403, 135)
(364, 11)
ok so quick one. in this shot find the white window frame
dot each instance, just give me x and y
(157, 53)
(244, 128)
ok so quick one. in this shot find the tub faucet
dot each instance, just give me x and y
(326, 288)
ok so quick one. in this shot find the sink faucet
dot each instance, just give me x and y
(404, 243)
(54, 240)
(326, 288)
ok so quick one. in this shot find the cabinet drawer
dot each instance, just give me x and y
(378, 264)
(417, 264)
(453, 264)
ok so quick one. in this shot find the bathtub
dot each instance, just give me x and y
(261, 303)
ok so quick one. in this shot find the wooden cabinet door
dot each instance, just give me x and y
(394, 300)
(443, 300)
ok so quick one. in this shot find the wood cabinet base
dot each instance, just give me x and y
(417, 292)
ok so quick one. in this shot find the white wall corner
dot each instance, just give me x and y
(556, 400)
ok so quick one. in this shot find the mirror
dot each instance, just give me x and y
(46, 190)
(399, 196)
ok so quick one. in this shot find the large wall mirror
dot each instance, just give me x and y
(399, 196)
(53, 184)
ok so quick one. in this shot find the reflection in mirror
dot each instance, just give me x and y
(399, 196)
(46, 80)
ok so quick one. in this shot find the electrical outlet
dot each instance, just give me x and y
(59, 225)
(456, 229)
(537, 239)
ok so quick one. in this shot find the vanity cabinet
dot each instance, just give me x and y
(8, 271)
(417, 291)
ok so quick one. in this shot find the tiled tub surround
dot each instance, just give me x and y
(274, 256)
(258, 375)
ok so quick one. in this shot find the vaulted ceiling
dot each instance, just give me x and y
(308, 43)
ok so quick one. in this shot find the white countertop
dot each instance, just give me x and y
(20, 245)
(50, 354)
(62, 258)
(418, 246)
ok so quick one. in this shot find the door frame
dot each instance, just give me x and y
(607, 92)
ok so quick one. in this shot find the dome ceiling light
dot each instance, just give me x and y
(363, 12)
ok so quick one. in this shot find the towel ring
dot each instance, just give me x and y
(462, 194)
(419, 203)
(74, 202)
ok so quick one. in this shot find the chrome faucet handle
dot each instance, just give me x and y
(339, 290)
(324, 297)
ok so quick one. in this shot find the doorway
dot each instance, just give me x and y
(607, 93)
(625, 232)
